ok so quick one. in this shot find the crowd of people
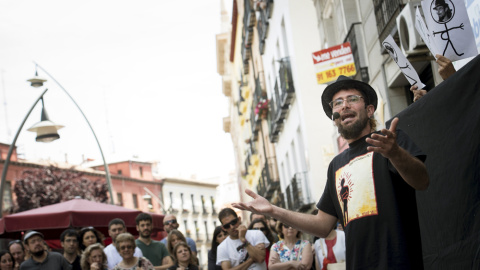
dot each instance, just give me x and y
(84, 249)
(271, 244)
(265, 244)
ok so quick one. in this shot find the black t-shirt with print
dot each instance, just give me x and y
(376, 207)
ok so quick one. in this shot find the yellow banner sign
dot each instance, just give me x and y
(332, 74)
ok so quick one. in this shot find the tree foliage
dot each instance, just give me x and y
(50, 185)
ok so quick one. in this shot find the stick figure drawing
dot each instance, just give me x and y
(442, 12)
(393, 53)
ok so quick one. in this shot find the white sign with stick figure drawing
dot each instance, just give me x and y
(422, 29)
(407, 69)
(448, 23)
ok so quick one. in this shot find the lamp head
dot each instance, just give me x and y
(46, 130)
(36, 81)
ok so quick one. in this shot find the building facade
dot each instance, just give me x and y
(193, 204)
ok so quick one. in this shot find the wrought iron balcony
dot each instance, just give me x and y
(386, 12)
(255, 122)
(252, 150)
(248, 21)
(255, 119)
(246, 54)
(283, 98)
(297, 194)
(269, 181)
(286, 83)
(265, 12)
(354, 36)
(276, 117)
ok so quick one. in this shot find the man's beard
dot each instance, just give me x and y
(354, 130)
(38, 253)
(146, 233)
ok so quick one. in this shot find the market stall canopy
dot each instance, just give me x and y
(51, 220)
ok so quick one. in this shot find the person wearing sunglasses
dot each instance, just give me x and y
(116, 226)
(261, 225)
(17, 250)
(125, 244)
(170, 223)
(371, 186)
(242, 248)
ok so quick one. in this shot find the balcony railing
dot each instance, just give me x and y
(354, 36)
(265, 12)
(283, 98)
(246, 54)
(248, 21)
(255, 119)
(297, 193)
(286, 83)
(275, 116)
(386, 12)
(251, 150)
(269, 181)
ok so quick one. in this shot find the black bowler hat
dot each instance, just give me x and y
(344, 83)
(440, 3)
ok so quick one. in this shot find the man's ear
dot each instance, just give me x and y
(137, 228)
(370, 110)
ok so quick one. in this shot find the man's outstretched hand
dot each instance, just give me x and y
(385, 144)
(259, 205)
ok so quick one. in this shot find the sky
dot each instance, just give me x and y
(143, 72)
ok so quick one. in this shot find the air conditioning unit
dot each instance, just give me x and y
(410, 41)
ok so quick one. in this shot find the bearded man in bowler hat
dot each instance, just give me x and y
(382, 170)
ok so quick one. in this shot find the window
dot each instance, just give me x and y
(135, 200)
(197, 230)
(185, 223)
(215, 223)
(206, 230)
(141, 171)
(203, 204)
(181, 198)
(119, 172)
(171, 200)
(213, 204)
(119, 199)
(193, 204)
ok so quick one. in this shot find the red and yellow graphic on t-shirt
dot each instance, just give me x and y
(356, 188)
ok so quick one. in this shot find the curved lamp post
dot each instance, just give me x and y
(46, 132)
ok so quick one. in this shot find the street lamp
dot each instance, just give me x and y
(47, 132)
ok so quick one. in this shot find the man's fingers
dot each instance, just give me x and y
(393, 126)
(376, 143)
(251, 193)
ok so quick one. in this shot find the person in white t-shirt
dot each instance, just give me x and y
(116, 226)
(242, 249)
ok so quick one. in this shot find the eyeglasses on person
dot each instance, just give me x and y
(126, 247)
(338, 103)
(261, 229)
(170, 222)
(231, 223)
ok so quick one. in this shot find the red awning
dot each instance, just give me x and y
(51, 220)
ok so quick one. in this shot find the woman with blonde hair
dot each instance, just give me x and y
(125, 244)
(291, 251)
(183, 257)
(93, 258)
